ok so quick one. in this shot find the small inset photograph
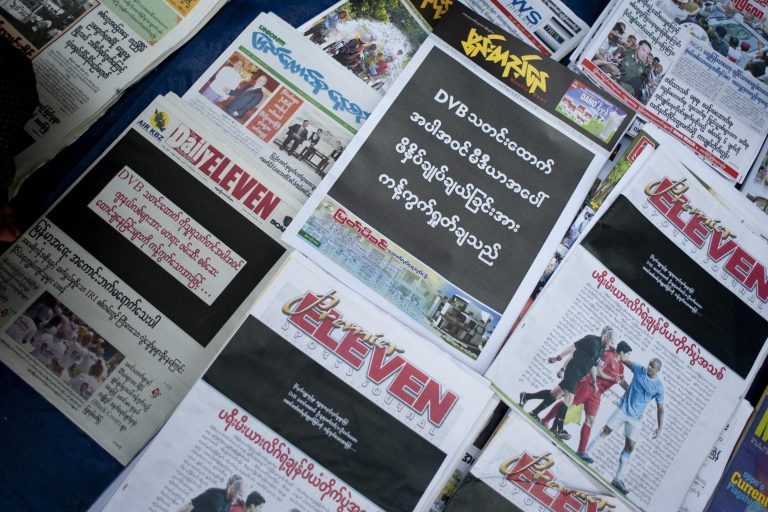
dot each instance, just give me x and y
(312, 142)
(41, 21)
(64, 344)
(239, 88)
(590, 111)
(637, 65)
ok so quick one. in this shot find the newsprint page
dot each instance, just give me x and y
(695, 69)
(666, 293)
(459, 188)
(521, 469)
(320, 402)
(285, 104)
(115, 301)
(84, 53)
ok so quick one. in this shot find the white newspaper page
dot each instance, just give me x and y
(374, 41)
(697, 71)
(283, 102)
(655, 318)
(712, 469)
(457, 192)
(522, 469)
(547, 25)
(320, 402)
(84, 53)
(119, 297)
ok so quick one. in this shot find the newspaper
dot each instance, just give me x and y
(319, 402)
(85, 53)
(465, 464)
(521, 469)
(695, 69)
(373, 39)
(458, 190)
(710, 472)
(282, 102)
(670, 278)
(756, 183)
(742, 485)
(118, 298)
(547, 25)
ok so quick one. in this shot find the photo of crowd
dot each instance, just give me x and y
(310, 142)
(630, 61)
(737, 35)
(41, 21)
(374, 39)
(239, 88)
(65, 345)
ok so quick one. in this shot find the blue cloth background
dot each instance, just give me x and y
(46, 462)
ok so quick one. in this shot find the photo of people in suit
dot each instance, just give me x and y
(240, 88)
(309, 140)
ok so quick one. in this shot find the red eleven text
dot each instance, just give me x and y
(315, 315)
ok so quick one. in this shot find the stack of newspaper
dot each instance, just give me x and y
(425, 199)
(85, 53)
(662, 300)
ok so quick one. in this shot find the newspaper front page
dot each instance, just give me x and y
(84, 53)
(521, 469)
(284, 103)
(319, 402)
(656, 317)
(460, 186)
(696, 70)
(118, 298)
(547, 25)
(373, 40)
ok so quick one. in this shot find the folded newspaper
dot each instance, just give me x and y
(455, 194)
(85, 53)
(118, 298)
(522, 470)
(663, 300)
(320, 402)
(696, 69)
(375, 40)
(287, 106)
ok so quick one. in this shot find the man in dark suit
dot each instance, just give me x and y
(297, 133)
(312, 142)
(246, 99)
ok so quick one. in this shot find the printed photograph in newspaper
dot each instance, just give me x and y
(372, 39)
(38, 23)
